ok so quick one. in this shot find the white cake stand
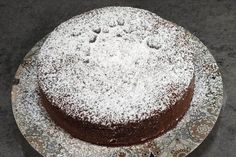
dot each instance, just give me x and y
(50, 140)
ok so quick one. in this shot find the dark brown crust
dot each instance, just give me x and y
(121, 135)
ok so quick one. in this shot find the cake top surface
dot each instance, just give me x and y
(115, 65)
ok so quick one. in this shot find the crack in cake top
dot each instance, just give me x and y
(115, 65)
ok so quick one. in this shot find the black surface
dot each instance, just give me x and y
(24, 22)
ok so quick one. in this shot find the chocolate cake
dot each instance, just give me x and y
(116, 76)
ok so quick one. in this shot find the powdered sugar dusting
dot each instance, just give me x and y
(115, 65)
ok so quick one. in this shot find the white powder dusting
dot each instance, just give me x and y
(115, 65)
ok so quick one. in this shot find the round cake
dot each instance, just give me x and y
(116, 76)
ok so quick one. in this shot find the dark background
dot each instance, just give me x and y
(24, 22)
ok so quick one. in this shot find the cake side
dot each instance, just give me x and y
(119, 134)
